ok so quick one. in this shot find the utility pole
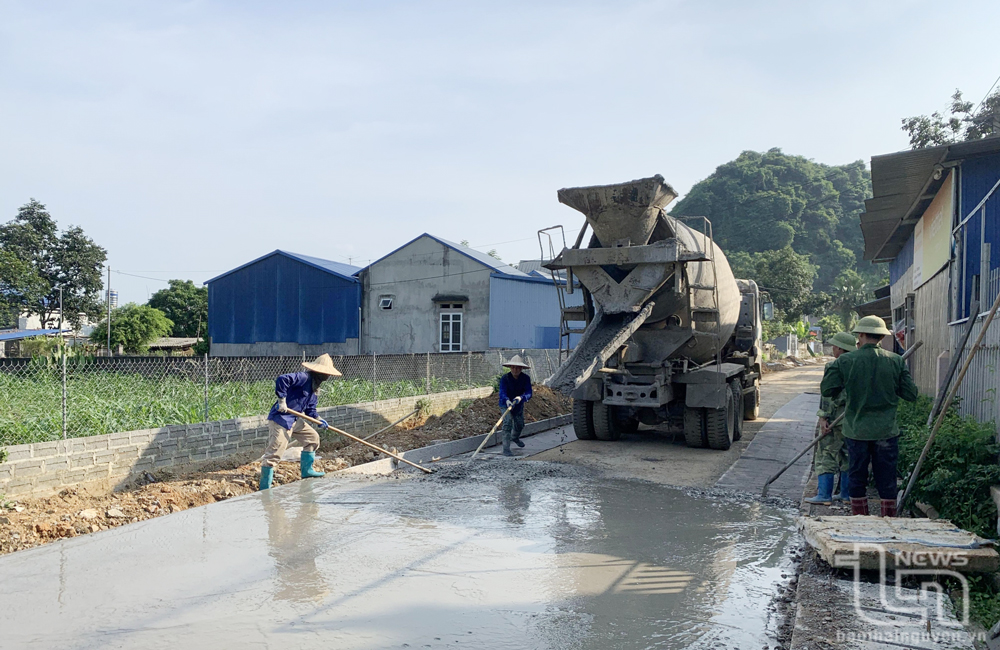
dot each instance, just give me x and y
(109, 310)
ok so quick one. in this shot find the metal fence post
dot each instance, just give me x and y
(206, 387)
(468, 358)
(427, 388)
(374, 379)
(63, 385)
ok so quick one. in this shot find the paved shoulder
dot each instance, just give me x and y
(785, 434)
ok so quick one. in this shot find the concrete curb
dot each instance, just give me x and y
(452, 448)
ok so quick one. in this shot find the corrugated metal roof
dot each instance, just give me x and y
(345, 271)
(899, 181)
(17, 335)
(471, 253)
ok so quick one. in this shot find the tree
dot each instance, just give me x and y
(850, 290)
(70, 260)
(133, 327)
(831, 324)
(784, 274)
(20, 287)
(965, 122)
(771, 201)
(186, 305)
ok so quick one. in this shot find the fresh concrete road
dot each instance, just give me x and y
(663, 458)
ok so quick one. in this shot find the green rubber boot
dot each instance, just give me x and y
(306, 462)
(266, 476)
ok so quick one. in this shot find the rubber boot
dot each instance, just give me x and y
(824, 490)
(517, 441)
(859, 505)
(266, 476)
(306, 462)
(888, 507)
(845, 491)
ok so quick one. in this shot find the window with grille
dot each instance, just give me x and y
(451, 332)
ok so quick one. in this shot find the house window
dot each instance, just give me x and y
(451, 332)
(385, 302)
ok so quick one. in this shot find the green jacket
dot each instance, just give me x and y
(831, 407)
(872, 382)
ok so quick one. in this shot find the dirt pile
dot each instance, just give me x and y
(29, 522)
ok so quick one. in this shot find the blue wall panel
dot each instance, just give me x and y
(978, 175)
(902, 261)
(280, 299)
(522, 311)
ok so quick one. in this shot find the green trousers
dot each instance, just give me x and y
(830, 456)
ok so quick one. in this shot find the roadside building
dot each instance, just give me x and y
(285, 304)
(934, 219)
(432, 295)
(174, 346)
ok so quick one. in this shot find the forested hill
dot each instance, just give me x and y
(767, 201)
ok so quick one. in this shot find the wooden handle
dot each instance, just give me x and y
(357, 439)
(490, 434)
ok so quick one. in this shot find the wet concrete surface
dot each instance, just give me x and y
(487, 554)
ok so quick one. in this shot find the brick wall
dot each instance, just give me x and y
(113, 460)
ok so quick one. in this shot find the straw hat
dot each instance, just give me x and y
(323, 365)
(872, 325)
(516, 361)
(844, 341)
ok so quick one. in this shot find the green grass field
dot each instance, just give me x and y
(100, 403)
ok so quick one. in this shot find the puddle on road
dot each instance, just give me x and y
(488, 554)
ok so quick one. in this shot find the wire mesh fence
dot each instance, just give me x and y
(44, 399)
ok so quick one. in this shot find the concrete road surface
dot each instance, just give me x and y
(664, 458)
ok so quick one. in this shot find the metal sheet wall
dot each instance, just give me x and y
(279, 299)
(931, 327)
(977, 177)
(978, 392)
(521, 308)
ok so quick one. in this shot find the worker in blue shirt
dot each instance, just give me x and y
(297, 391)
(515, 390)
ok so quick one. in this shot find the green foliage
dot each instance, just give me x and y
(70, 260)
(771, 201)
(186, 305)
(20, 287)
(3, 459)
(831, 324)
(784, 274)
(960, 466)
(133, 327)
(960, 125)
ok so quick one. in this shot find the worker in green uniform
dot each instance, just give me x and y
(873, 381)
(830, 457)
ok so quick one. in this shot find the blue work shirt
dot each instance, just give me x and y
(297, 389)
(511, 388)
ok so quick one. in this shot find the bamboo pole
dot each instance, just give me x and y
(407, 416)
(356, 439)
(492, 431)
(948, 400)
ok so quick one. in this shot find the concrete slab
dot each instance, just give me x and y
(859, 615)
(784, 435)
(895, 542)
(480, 555)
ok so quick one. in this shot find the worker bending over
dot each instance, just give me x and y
(873, 380)
(515, 390)
(831, 452)
(297, 391)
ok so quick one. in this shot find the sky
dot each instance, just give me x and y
(188, 138)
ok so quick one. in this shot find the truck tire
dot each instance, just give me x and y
(606, 422)
(738, 404)
(720, 424)
(694, 427)
(751, 402)
(583, 419)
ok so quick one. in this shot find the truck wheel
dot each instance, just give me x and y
(694, 427)
(738, 404)
(583, 419)
(751, 402)
(606, 422)
(720, 424)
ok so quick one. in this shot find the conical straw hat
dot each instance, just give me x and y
(516, 361)
(323, 364)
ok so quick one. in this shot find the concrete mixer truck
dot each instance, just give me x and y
(671, 337)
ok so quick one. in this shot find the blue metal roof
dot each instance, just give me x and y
(345, 271)
(472, 254)
(16, 335)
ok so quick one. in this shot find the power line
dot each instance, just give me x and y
(986, 95)
(133, 275)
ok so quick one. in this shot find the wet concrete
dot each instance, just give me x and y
(484, 554)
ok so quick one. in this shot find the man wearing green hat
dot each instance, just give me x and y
(873, 381)
(830, 457)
